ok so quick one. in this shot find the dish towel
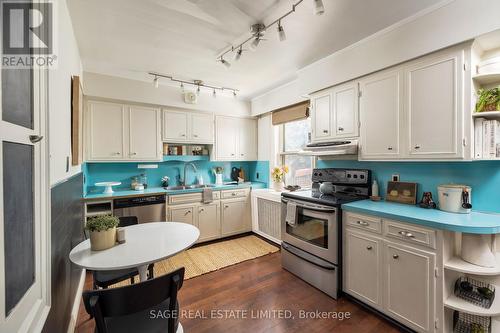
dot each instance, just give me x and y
(207, 195)
(291, 212)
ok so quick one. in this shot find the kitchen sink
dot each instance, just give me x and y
(188, 187)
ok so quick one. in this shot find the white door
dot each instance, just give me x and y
(247, 147)
(235, 217)
(24, 197)
(434, 97)
(144, 134)
(381, 113)
(409, 293)
(363, 266)
(209, 222)
(345, 109)
(321, 117)
(183, 214)
(106, 128)
(227, 137)
(202, 128)
(175, 126)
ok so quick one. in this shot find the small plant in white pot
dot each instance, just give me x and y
(102, 232)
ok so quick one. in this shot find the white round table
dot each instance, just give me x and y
(146, 243)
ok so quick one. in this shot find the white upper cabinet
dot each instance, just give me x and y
(175, 126)
(345, 111)
(236, 139)
(202, 128)
(321, 116)
(188, 127)
(433, 100)
(334, 113)
(381, 111)
(106, 122)
(144, 138)
(118, 132)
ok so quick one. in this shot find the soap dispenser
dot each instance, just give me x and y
(374, 188)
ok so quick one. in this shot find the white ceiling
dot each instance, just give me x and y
(128, 38)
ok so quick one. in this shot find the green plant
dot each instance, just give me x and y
(488, 100)
(102, 223)
(218, 169)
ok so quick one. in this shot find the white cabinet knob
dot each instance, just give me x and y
(395, 256)
(369, 247)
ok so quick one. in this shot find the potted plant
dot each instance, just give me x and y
(102, 232)
(278, 175)
(488, 100)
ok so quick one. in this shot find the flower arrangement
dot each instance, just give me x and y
(218, 170)
(278, 173)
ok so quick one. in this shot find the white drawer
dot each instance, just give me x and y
(410, 234)
(368, 223)
(229, 194)
(184, 198)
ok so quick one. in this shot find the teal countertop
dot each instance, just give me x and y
(473, 223)
(121, 192)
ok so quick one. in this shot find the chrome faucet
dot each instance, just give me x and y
(183, 182)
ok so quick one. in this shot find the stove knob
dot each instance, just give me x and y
(362, 176)
(355, 176)
(348, 175)
(315, 173)
(320, 174)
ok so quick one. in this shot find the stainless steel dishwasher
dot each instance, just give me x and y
(151, 208)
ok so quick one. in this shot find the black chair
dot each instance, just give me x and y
(104, 279)
(149, 306)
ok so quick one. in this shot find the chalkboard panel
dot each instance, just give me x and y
(18, 221)
(17, 96)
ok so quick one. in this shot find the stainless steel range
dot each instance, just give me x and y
(312, 226)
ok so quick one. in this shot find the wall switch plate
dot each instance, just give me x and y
(395, 177)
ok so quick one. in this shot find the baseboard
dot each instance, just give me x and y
(76, 303)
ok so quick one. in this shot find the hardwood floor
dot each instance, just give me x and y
(259, 285)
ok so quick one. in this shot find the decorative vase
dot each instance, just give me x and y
(218, 179)
(102, 240)
(278, 187)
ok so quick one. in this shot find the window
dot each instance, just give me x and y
(294, 136)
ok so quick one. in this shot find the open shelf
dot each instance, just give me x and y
(185, 158)
(489, 114)
(459, 265)
(485, 79)
(455, 303)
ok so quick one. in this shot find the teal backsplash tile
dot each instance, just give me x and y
(122, 172)
(482, 176)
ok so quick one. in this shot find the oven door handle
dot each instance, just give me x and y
(314, 208)
(308, 257)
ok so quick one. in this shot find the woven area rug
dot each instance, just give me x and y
(208, 258)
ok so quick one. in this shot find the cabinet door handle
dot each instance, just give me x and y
(226, 206)
(201, 210)
(195, 135)
(369, 247)
(233, 194)
(133, 154)
(363, 223)
(117, 153)
(409, 235)
(389, 148)
(341, 129)
(325, 131)
(183, 134)
(232, 154)
(242, 154)
(395, 256)
(417, 147)
(188, 212)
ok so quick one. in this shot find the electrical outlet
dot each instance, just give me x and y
(395, 177)
(257, 175)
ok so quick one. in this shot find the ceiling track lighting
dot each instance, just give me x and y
(257, 32)
(195, 83)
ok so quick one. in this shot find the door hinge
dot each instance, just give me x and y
(465, 66)
(464, 142)
(436, 272)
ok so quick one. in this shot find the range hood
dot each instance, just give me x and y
(332, 148)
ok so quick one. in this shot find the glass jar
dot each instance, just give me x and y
(134, 182)
(144, 180)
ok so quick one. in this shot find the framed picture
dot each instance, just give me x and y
(76, 121)
(402, 192)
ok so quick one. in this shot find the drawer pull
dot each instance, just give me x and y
(363, 223)
(369, 247)
(395, 256)
(226, 206)
(201, 210)
(325, 131)
(233, 194)
(188, 212)
(407, 234)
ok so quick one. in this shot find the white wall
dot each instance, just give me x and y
(104, 86)
(456, 22)
(60, 97)
(284, 95)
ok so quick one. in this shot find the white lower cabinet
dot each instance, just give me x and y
(362, 267)
(395, 277)
(209, 221)
(409, 289)
(183, 214)
(235, 217)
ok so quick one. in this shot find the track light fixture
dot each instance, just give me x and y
(225, 63)
(281, 32)
(238, 53)
(214, 93)
(196, 83)
(319, 9)
(257, 31)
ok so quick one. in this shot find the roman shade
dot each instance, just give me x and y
(290, 113)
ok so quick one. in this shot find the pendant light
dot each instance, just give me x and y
(319, 8)
(156, 82)
(237, 54)
(281, 32)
